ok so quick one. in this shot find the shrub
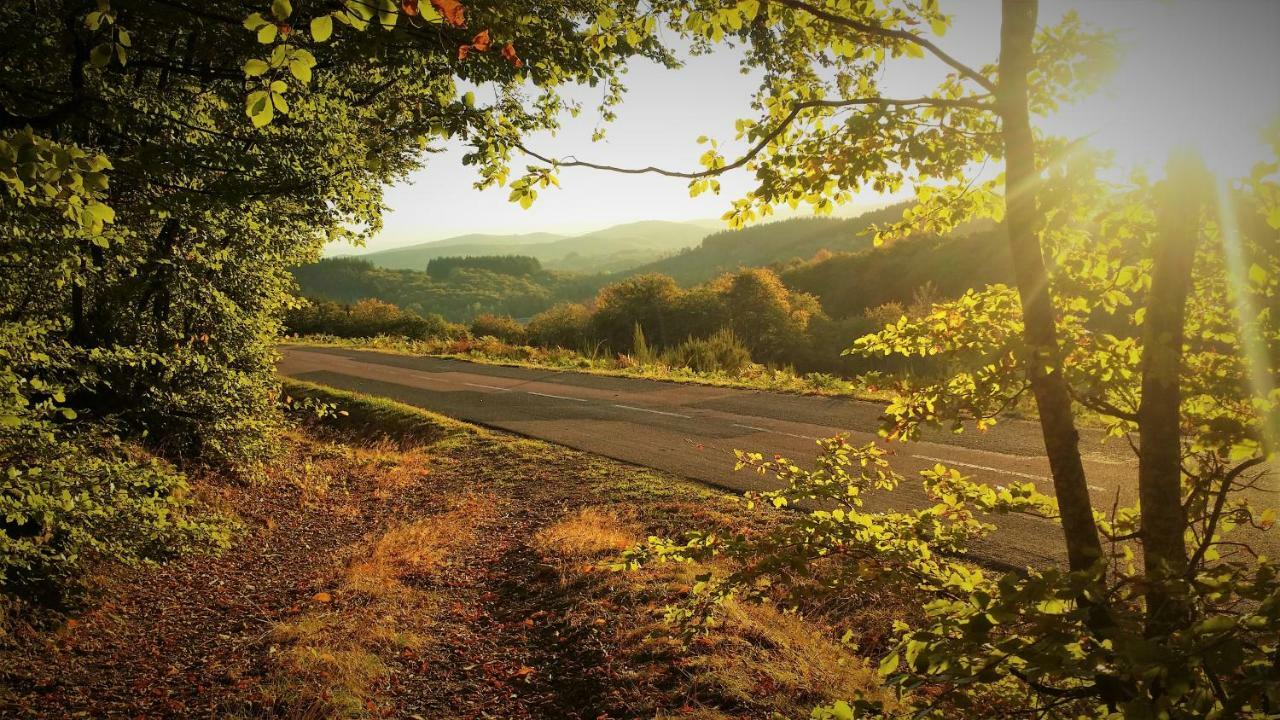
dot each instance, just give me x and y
(71, 491)
(722, 352)
(367, 318)
(565, 325)
(502, 327)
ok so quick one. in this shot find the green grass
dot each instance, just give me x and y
(488, 351)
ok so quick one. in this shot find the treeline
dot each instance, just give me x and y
(442, 267)
(741, 317)
(367, 318)
(459, 290)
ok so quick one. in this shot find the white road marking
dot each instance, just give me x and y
(424, 376)
(1015, 473)
(655, 412)
(802, 437)
(489, 387)
(557, 397)
(775, 432)
(752, 427)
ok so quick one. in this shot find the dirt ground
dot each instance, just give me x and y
(443, 572)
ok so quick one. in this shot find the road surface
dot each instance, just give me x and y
(691, 430)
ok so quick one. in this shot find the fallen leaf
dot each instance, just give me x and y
(322, 597)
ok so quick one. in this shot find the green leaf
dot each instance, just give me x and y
(1258, 275)
(254, 21)
(300, 70)
(267, 34)
(255, 67)
(322, 28)
(258, 108)
(281, 9)
(889, 664)
(100, 55)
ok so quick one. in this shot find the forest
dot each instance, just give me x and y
(240, 480)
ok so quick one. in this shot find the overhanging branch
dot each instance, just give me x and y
(769, 137)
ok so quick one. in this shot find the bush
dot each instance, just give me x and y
(722, 352)
(71, 491)
(502, 327)
(367, 318)
(566, 325)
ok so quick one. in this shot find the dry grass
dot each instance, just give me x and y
(761, 653)
(587, 534)
(328, 661)
(757, 657)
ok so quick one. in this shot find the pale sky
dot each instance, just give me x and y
(1205, 72)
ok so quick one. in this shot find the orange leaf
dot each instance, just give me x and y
(452, 11)
(509, 53)
(462, 51)
(481, 41)
(322, 597)
(524, 671)
(410, 7)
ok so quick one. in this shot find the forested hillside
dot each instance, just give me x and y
(943, 267)
(771, 243)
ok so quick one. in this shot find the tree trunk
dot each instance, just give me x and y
(1164, 522)
(1022, 219)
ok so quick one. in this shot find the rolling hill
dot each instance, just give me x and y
(612, 249)
(773, 243)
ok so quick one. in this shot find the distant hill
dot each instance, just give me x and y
(612, 249)
(774, 243)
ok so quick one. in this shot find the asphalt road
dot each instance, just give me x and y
(691, 430)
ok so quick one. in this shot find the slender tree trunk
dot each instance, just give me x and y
(1022, 219)
(1164, 522)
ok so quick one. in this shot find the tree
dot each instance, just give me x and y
(1188, 630)
(826, 132)
(644, 300)
(163, 164)
(763, 312)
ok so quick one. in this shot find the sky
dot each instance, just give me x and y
(1204, 73)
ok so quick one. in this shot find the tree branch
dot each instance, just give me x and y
(1218, 504)
(796, 109)
(883, 32)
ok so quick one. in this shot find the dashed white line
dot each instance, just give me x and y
(655, 412)
(488, 387)
(1015, 473)
(557, 397)
(424, 376)
(775, 432)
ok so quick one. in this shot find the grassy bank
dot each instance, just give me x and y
(490, 351)
(398, 564)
